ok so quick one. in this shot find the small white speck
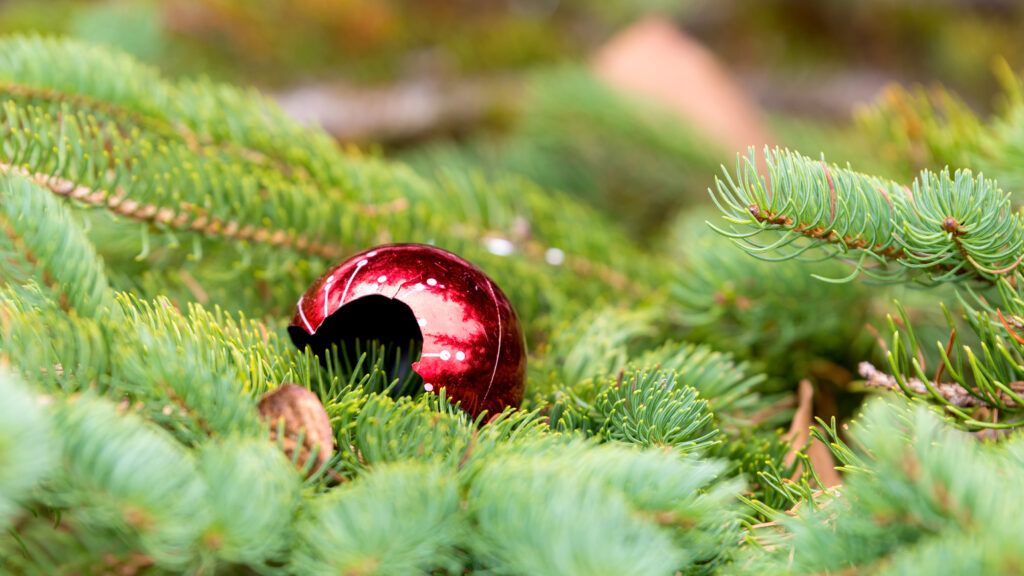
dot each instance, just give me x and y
(371, 254)
(431, 282)
(460, 355)
(382, 279)
(428, 387)
(419, 286)
(554, 256)
(421, 321)
(499, 246)
(445, 355)
(362, 262)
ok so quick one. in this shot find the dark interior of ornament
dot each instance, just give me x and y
(365, 324)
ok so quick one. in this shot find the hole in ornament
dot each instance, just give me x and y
(381, 328)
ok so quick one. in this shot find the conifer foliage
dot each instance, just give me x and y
(156, 234)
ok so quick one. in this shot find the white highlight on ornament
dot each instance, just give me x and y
(348, 285)
(431, 282)
(460, 355)
(327, 293)
(499, 246)
(418, 287)
(382, 279)
(443, 355)
(554, 256)
(497, 356)
(428, 387)
(371, 254)
(302, 315)
(421, 321)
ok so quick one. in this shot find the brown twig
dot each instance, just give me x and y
(181, 219)
(953, 393)
(818, 233)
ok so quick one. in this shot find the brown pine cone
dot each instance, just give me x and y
(301, 411)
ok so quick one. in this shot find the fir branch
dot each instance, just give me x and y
(250, 526)
(120, 473)
(79, 67)
(126, 120)
(54, 349)
(654, 410)
(544, 508)
(398, 519)
(40, 548)
(730, 388)
(26, 443)
(119, 203)
(947, 228)
(921, 486)
(157, 180)
(185, 372)
(200, 111)
(953, 393)
(224, 163)
(778, 315)
(54, 246)
(375, 429)
(166, 182)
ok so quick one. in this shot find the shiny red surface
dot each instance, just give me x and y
(472, 343)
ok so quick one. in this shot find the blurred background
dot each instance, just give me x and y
(630, 104)
(812, 58)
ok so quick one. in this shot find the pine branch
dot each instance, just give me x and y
(189, 373)
(654, 410)
(226, 166)
(730, 388)
(55, 250)
(398, 519)
(165, 217)
(778, 315)
(953, 393)
(26, 443)
(537, 511)
(250, 526)
(159, 503)
(42, 549)
(161, 181)
(943, 228)
(921, 489)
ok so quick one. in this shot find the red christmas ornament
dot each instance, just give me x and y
(471, 340)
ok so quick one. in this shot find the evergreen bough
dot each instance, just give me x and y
(156, 234)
